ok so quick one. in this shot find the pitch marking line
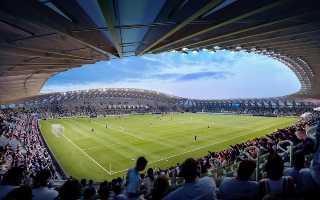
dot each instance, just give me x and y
(121, 129)
(196, 149)
(86, 154)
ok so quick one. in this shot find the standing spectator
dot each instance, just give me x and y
(134, 180)
(194, 187)
(240, 187)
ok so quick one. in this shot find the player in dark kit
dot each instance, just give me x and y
(92, 130)
(195, 138)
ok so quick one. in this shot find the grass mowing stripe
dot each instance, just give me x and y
(166, 140)
(85, 153)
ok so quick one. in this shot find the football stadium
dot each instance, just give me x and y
(159, 99)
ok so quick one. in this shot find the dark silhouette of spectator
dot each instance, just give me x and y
(294, 172)
(118, 189)
(90, 189)
(21, 193)
(240, 187)
(41, 190)
(11, 180)
(104, 190)
(194, 188)
(160, 188)
(276, 183)
(70, 190)
(148, 181)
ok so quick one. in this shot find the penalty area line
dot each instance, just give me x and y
(87, 155)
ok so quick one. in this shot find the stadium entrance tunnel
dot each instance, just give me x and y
(199, 74)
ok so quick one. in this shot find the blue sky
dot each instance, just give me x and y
(202, 75)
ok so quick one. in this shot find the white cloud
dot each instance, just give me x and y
(252, 75)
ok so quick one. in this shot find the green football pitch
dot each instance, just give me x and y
(103, 148)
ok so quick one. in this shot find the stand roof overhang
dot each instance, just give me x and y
(39, 38)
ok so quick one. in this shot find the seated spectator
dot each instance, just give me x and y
(40, 189)
(20, 193)
(83, 183)
(134, 180)
(148, 182)
(240, 187)
(160, 188)
(90, 190)
(117, 189)
(294, 172)
(275, 183)
(70, 190)
(310, 177)
(104, 190)
(194, 187)
(88, 194)
(11, 180)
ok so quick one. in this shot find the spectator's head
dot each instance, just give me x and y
(83, 182)
(245, 169)
(70, 190)
(42, 178)
(104, 190)
(160, 187)
(150, 172)
(301, 134)
(141, 163)
(298, 160)
(189, 170)
(274, 166)
(90, 182)
(13, 176)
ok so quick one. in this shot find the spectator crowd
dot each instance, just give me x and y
(29, 169)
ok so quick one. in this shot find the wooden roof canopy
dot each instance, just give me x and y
(39, 38)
